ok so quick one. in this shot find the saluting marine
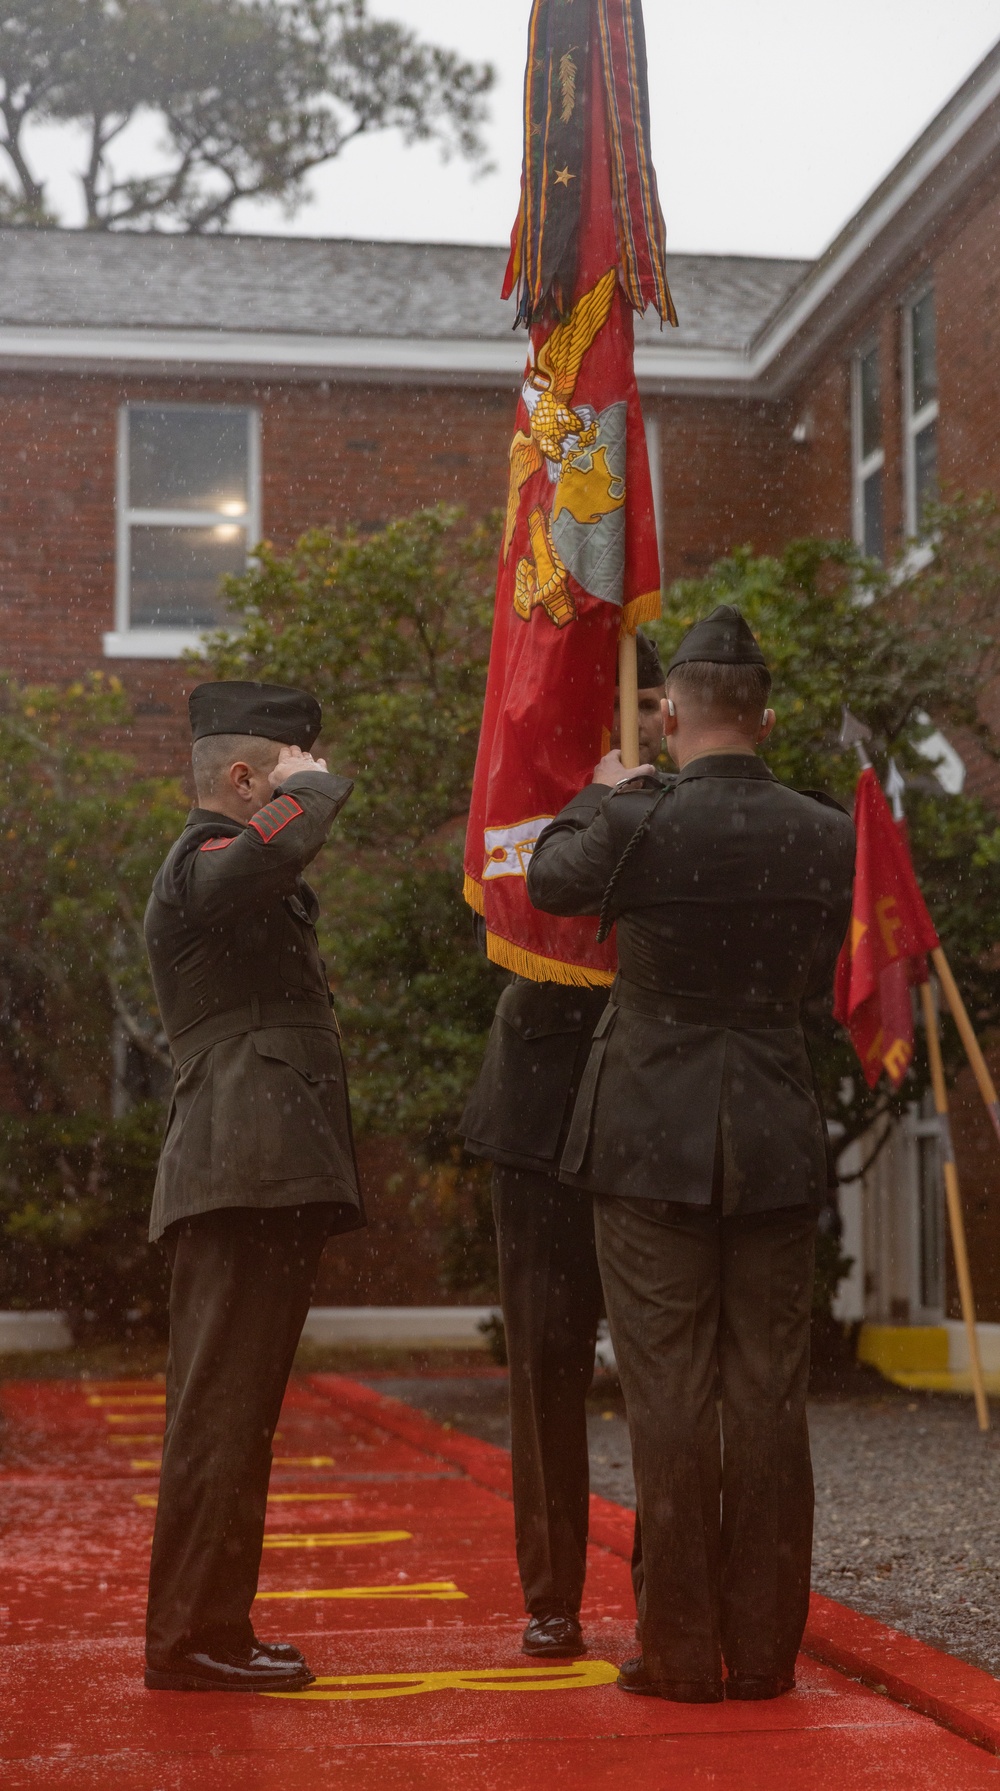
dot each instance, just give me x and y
(699, 1130)
(257, 1166)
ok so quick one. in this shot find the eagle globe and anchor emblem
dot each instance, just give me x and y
(583, 452)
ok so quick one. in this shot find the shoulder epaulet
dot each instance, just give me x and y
(827, 800)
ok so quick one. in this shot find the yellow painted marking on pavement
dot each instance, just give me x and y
(130, 1417)
(272, 1498)
(333, 1539)
(142, 1467)
(127, 1399)
(403, 1589)
(303, 1461)
(152, 1382)
(575, 1676)
(130, 1442)
(290, 1498)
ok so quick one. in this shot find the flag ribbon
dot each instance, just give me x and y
(563, 36)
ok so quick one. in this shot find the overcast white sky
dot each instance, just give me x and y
(772, 120)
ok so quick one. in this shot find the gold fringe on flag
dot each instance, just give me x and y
(473, 893)
(543, 970)
(640, 609)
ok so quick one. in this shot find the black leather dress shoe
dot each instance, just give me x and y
(560, 1637)
(632, 1677)
(773, 1685)
(277, 1651)
(248, 1671)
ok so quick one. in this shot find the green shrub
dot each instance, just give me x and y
(74, 1209)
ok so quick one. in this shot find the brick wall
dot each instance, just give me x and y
(331, 453)
(344, 452)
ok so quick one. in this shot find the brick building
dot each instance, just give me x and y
(166, 400)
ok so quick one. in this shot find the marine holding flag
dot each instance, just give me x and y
(698, 1128)
(578, 563)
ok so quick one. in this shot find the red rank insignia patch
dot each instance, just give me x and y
(277, 814)
(217, 845)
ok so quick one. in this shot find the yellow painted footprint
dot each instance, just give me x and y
(578, 1675)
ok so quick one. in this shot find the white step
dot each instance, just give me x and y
(34, 1331)
(424, 1327)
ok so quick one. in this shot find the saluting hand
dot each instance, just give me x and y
(611, 771)
(292, 758)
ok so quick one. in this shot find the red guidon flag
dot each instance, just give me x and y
(578, 560)
(885, 950)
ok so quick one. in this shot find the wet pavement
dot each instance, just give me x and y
(907, 1499)
(391, 1565)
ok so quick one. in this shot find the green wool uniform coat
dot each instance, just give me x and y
(519, 1110)
(260, 1114)
(730, 912)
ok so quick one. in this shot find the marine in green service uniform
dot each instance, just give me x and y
(257, 1166)
(699, 1130)
(550, 1289)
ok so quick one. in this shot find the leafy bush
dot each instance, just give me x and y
(83, 834)
(74, 1208)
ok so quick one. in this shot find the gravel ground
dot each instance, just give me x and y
(907, 1499)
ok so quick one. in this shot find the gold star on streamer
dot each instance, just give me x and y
(563, 177)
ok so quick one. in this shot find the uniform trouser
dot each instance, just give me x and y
(699, 1302)
(241, 1281)
(550, 1291)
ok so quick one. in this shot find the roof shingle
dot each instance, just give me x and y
(309, 286)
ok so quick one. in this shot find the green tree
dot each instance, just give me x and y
(83, 836)
(251, 95)
(392, 635)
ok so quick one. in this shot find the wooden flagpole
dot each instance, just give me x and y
(628, 699)
(968, 1037)
(953, 1200)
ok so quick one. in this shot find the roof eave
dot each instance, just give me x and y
(218, 354)
(960, 145)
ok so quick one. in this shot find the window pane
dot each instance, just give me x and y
(924, 352)
(176, 574)
(872, 504)
(924, 469)
(188, 457)
(871, 405)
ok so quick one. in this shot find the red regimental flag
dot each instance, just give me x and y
(578, 560)
(885, 950)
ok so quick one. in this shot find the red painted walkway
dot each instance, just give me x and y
(389, 1558)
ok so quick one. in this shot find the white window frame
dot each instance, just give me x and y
(862, 465)
(914, 421)
(124, 641)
